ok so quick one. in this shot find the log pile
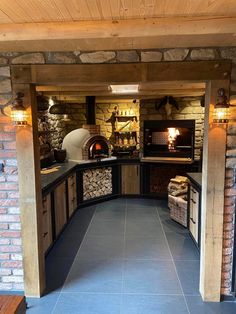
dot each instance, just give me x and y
(97, 183)
(177, 199)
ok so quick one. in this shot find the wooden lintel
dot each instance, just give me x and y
(123, 34)
(72, 75)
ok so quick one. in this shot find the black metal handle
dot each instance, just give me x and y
(45, 233)
(194, 222)
(193, 201)
(44, 212)
(194, 192)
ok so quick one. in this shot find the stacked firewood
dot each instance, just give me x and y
(177, 199)
(97, 182)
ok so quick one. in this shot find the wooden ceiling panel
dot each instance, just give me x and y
(17, 11)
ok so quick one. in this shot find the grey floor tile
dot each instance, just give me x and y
(112, 212)
(43, 305)
(189, 272)
(75, 303)
(197, 306)
(150, 276)
(172, 226)
(114, 227)
(57, 270)
(141, 202)
(147, 248)
(102, 247)
(66, 247)
(182, 246)
(153, 304)
(143, 228)
(101, 276)
(142, 213)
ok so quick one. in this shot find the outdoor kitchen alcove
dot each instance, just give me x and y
(216, 74)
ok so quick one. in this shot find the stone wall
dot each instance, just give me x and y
(56, 122)
(11, 274)
(105, 119)
(189, 108)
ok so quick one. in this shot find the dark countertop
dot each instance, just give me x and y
(50, 179)
(196, 178)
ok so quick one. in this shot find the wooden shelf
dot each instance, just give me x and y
(125, 116)
(120, 132)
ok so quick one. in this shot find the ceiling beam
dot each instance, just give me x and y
(117, 35)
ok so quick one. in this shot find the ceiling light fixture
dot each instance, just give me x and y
(125, 89)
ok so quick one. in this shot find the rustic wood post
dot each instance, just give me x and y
(213, 183)
(30, 196)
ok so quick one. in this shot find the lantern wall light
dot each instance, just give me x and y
(221, 109)
(18, 111)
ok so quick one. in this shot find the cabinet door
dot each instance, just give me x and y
(47, 222)
(130, 178)
(60, 207)
(194, 210)
(72, 194)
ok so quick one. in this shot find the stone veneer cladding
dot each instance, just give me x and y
(11, 274)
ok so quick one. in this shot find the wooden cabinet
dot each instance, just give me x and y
(47, 222)
(72, 194)
(60, 207)
(194, 213)
(130, 179)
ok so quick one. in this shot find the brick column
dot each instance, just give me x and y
(11, 269)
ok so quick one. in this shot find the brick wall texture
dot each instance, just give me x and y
(11, 270)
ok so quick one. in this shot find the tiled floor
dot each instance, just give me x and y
(132, 260)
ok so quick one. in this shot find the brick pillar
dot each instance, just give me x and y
(11, 270)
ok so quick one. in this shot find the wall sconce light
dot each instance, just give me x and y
(221, 108)
(18, 112)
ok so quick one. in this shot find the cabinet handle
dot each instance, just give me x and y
(45, 233)
(194, 222)
(44, 212)
(194, 192)
(193, 201)
(137, 169)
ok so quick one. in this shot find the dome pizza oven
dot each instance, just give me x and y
(86, 143)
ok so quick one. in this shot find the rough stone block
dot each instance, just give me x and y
(178, 54)
(228, 53)
(203, 54)
(127, 56)
(60, 57)
(231, 141)
(3, 61)
(151, 56)
(5, 71)
(29, 58)
(97, 57)
(5, 86)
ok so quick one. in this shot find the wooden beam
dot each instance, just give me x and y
(73, 75)
(123, 34)
(213, 183)
(30, 197)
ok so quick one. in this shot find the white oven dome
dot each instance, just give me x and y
(73, 143)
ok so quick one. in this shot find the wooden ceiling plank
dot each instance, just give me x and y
(78, 9)
(94, 11)
(14, 11)
(4, 19)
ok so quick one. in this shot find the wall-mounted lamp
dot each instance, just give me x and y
(221, 108)
(18, 112)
